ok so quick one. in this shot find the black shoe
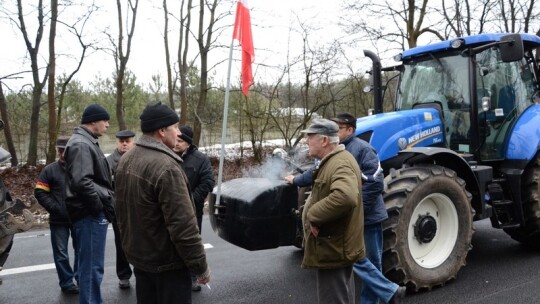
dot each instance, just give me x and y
(124, 284)
(398, 296)
(73, 289)
(195, 286)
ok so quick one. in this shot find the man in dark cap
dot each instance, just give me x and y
(374, 285)
(332, 215)
(155, 212)
(49, 192)
(89, 198)
(200, 174)
(125, 140)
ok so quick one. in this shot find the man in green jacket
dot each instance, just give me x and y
(333, 215)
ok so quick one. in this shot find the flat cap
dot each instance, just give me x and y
(346, 119)
(322, 126)
(125, 134)
(61, 142)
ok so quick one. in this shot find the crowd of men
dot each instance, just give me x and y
(152, 190)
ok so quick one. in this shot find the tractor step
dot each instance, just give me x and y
(504, 214)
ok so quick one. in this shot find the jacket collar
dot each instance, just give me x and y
(338, 149)
(152, 143)
(86, 133)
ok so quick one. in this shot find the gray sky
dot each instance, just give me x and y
(271, 22)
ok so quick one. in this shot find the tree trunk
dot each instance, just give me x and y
(51, 151)
(7, 130)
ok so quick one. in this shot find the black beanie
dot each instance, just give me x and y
(94, 112)
(187, 134)
(157, 116)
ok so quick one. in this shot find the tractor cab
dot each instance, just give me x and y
(479, 90)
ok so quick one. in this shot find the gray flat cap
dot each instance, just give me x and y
(322, 126)
(125, 134)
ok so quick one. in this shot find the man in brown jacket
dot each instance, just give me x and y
(333, 215)
(156, 215)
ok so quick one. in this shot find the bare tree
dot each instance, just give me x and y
(183, 47)
(52, 70)
(38, 84)
(170, 87)
(7, 129)
(122, 56)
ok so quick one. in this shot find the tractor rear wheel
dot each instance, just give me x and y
(429, 230)
(530, 195)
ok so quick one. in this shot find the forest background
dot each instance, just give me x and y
(307, 62)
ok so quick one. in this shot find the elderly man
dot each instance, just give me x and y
(89, 199)
(125, 140)
(333, 215)
(156, 216)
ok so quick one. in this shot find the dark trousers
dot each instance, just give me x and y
(173, 286)
(123, 270)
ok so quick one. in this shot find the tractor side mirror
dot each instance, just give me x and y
(511, 48)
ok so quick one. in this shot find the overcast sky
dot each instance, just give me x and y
(271, 22)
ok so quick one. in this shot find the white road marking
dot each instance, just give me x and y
(26, 269)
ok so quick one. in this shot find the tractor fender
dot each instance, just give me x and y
(524, 141)
(442, 157)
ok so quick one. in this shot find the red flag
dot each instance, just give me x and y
(242, 33)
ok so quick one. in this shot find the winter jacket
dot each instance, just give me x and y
(335, 207)
(155, 212)
(200, 174)
(88, 177)
(49, 192)
(372, 179)
(113, 159)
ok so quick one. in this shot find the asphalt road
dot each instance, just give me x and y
(498, 270)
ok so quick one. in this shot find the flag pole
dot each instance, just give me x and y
(224, 126)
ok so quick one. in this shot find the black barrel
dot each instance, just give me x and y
(255, 213)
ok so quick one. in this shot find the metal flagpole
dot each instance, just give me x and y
(224, 126)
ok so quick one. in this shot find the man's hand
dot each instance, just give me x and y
(289, 179)
(314, 230)
(204, 278)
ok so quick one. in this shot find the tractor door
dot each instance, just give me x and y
(504, 91)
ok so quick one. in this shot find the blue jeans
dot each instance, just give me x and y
(91, 234)
(375, 285)
(59, 241)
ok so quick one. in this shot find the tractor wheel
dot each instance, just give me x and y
(530, 195)
(429, 230)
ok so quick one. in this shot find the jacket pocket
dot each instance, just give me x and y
(330, 248)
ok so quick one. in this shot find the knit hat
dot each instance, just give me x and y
(346, 119)
(322, 126)
(94, 112)
(187, 134)
(157, 116)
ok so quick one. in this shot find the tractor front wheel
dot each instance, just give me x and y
(429, 230)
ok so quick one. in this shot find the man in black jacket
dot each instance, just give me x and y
(200, 174)
(125, 141)
(49, 192)
(89, 199)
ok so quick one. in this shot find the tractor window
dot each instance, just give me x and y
(443, 81)
(506, 88)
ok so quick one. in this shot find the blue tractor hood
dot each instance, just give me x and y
(392, 132)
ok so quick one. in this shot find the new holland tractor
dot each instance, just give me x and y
(461, 144)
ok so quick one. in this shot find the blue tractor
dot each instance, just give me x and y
(461, 144)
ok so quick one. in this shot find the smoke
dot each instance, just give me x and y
(271, 168)
(275, 167)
